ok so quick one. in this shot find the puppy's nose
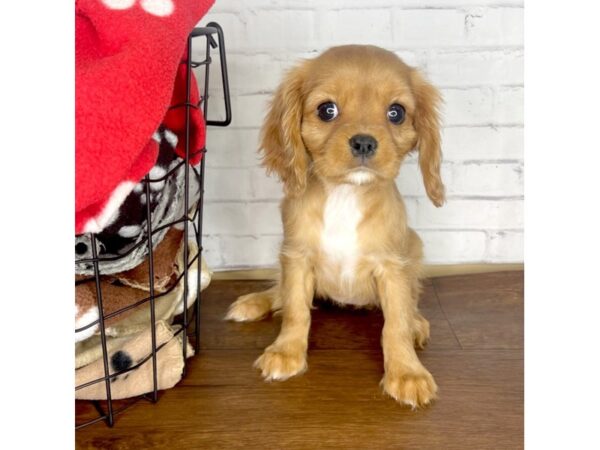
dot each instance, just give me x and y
(363, 145)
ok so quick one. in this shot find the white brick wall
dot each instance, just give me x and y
(471, 49)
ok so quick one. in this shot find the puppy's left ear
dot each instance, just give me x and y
(281, 144)
(427, 125)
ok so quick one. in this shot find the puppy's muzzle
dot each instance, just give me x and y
(363, 145)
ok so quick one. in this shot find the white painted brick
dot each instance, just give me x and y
(212, 252)
(251, 251)
(508, 107)
(227, 184)
(471, 49)
(482, 143)
(490, 214)
(233, 26)
(412, 58)
(363, 26)
(483, 106)
(428, 27)
(265, 187)
(239, 218)
(495, 26)
(444, 247)
(280, 29)
(230, 147)
(411, 204)
(249, 110)
(505, 246)
(256, 73)
(240, 5)
(216, 105)
(410, 181)
(493, 180)
(412, 4)
(468, 68)
(473, 106)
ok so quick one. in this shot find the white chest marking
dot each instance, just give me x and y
(339, 239)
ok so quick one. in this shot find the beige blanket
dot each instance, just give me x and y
(130, 352)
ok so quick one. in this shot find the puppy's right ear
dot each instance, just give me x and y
(427, 124)
(281, 144)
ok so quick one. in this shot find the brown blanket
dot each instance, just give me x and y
(125, 289)
(166, 308)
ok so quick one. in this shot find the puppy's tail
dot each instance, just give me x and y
(255, 306)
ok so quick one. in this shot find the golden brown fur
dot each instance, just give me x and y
(377, 260)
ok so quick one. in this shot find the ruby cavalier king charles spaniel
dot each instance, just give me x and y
(337, 131)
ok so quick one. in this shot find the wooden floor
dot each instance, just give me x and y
(475, 355)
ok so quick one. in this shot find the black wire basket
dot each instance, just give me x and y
(92, 411)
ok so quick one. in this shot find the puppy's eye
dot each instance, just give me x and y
(396, 113)
(327, 111)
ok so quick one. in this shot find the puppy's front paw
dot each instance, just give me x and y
(415, 389)
(278, 364)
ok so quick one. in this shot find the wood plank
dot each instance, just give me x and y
(332, 326)
(337, 403)
(484, 310)
(223, 403)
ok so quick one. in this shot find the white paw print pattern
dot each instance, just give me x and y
(159, 8)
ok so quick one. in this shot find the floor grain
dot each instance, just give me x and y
(475, 354)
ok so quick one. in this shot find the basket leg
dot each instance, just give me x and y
(110, 415)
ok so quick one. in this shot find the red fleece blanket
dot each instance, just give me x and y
(128, 74)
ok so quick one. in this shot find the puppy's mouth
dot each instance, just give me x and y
(361, 175)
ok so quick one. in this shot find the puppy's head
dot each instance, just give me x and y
(351, 115)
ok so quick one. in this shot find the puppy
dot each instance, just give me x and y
(338, 129)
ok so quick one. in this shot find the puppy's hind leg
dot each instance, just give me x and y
(255, 306)
(421, 324)
(421, 330)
